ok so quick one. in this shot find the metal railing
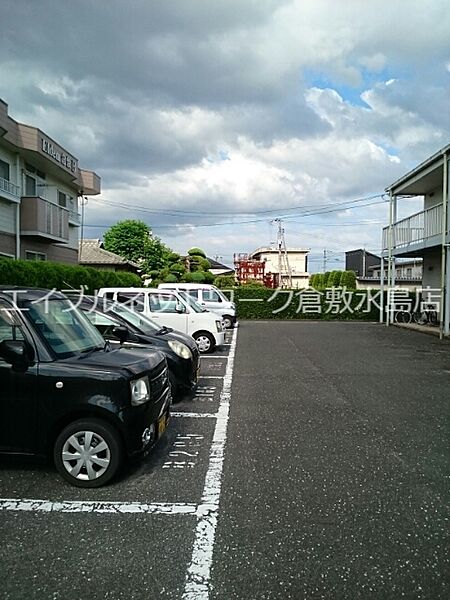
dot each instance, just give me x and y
(9, 188)
(415, 229)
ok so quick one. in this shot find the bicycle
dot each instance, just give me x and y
(402, 316)
(428, 315)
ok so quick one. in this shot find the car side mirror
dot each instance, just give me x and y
(16, 353)
(179, 308)
(121, 333)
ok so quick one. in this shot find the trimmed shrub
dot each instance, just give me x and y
(261, 303)
(348, 280)
(224, 282)
(58, 276)
(198, 277)
(196, 252)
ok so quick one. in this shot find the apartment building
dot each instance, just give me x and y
(424, 234)
(40, 187)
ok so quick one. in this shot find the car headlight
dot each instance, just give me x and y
(140, 391)
(219, 326)
(180, 349)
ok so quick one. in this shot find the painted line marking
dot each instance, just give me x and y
(199, 571)
(211, 376)
(215, 357)
(191, 415)
(155, 508)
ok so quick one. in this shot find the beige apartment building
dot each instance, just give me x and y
(290, 265)
(40, 187)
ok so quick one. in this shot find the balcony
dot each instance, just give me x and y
(9, 191)
(421, 230)
(74, 218)
(43, 220)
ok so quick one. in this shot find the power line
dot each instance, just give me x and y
(250, 221)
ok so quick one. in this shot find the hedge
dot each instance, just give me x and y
(58, 276)
(323, 304)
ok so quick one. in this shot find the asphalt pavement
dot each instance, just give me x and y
(311, 463)
(336, 479)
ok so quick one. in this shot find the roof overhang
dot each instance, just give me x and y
(425, 178)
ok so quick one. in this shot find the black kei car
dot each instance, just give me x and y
(66, 393)
(119, 323)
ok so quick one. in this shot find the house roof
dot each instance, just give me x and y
(424, 177)
(271, 250)
(362, 251)
(217, 265)
(93, 253)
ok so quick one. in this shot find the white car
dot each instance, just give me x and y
(208, 296)
(168, 308)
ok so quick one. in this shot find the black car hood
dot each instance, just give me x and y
(127, 359)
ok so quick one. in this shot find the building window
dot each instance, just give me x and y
(29, 255)
(62, 199)
(4, 170)
(34, 181)
(30, 186)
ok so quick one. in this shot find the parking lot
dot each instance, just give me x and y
(311, 463)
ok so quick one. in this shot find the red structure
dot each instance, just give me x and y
(250, 269)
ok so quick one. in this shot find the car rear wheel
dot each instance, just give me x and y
(88, 453)
(205, 342)
(227, 321)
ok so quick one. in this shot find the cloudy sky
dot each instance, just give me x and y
(209, 119)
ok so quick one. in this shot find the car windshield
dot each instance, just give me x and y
(222, 295)
(196, 307)
(64, 328)
(144, 324)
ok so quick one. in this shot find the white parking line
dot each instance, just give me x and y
(155, 508)
(199, 571)
(211, 377)
(213, 357)
(191, 415)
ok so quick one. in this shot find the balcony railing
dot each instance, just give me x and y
(9, 188)
(415, 229)
(42, 219)
(74, 217)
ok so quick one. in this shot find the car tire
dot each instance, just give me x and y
(104, 447)
(227, 322)
(205, 342)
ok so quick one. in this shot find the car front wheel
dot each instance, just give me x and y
(227, 322)
(88, 453)
(205, 342)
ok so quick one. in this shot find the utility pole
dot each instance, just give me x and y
(325, 256)
(283, 258)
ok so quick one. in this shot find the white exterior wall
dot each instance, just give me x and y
(7, 216)
(430, 201)
(297, 262)
(432, 271)
(10, 158)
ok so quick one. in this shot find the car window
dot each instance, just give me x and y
(167, 303)
(193, 293)
(134, 300)
(140, 321)
(196, 307)
(65, 329)
(9, 325)
(211, 296)
(102, 323)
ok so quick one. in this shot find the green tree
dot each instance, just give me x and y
(133, 240)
